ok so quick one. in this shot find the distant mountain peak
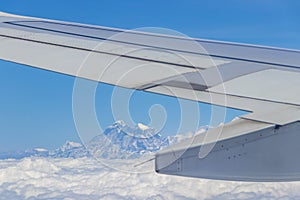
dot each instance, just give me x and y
(40, 149)
(142, 126)
(72, 144)
(118, 123)
(122, 141)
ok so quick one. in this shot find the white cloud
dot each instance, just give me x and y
(85, 178)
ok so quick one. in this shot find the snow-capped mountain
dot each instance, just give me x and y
(122, 141)
(37, 152)
(70, 150)
(118, 141)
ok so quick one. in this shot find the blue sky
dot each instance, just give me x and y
(36, 106)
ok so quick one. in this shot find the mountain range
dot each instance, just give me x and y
(118, 141)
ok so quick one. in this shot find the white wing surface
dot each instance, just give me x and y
(259, 146)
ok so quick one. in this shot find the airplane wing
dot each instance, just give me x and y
(259, 146)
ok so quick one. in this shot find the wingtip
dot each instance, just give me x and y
(4, 14)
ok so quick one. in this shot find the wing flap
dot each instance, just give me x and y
(245, 151)
(271, 85)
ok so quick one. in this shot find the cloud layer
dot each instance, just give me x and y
(85, 178)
